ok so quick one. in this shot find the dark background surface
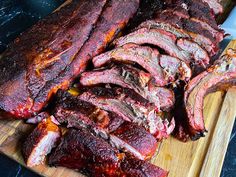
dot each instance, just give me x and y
(15, 17)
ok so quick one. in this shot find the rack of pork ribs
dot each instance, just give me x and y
(118, 94)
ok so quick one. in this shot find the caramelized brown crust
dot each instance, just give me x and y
(38, 55)
(127, 137)
(133, 167)
(148, 58)
(75, 112)
(137, 138)
(62, 45)
(221, 75)
(135, 79)
(183, 23)
(195, 9)
(81, 150)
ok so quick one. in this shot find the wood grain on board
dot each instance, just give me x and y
(200, 158)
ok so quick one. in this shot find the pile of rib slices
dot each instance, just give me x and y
(118, 92)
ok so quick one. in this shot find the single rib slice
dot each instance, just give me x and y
(125, 102)
(198, 53)
(181, 33)
(183, 23)
(167, 41)
(220, 76)
(132, 78)
(158, 37)
(40, 142)
(135, 140)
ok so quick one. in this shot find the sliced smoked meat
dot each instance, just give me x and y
(40, 142)
(51, 53)
(204, 42)
(220, 76)
(135, 140)
(134, 167)
(216, 33)
(132, 78)
(131, 107)
(126, 136)
(166, 41)
(150, 60)
(80, 150)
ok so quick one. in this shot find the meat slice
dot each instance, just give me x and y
(158, 37)
(81, 150)
(184, 23)
(167, 41)
(62, 45)
(131, 107)
(215, 5)
(218, 33)
(127, 136)
(132, 78)
(91, 155)
(40, 142)
(215, 33)
(74, 112)
(196, 51)
(134, 167)
(220, 76)
(193, 9)
(124, 102)
(204, 42)
(150, 60)
(135, 140)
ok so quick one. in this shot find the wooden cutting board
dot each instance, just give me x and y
(200, 158)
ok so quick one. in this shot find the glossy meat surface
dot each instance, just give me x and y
(62, 47)
(131, 107)
(27, 65)
(135, 140)
(221, 75)
(168, 42)
(132, 78)
(149, 59)
(127, 137)
(138, 168)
